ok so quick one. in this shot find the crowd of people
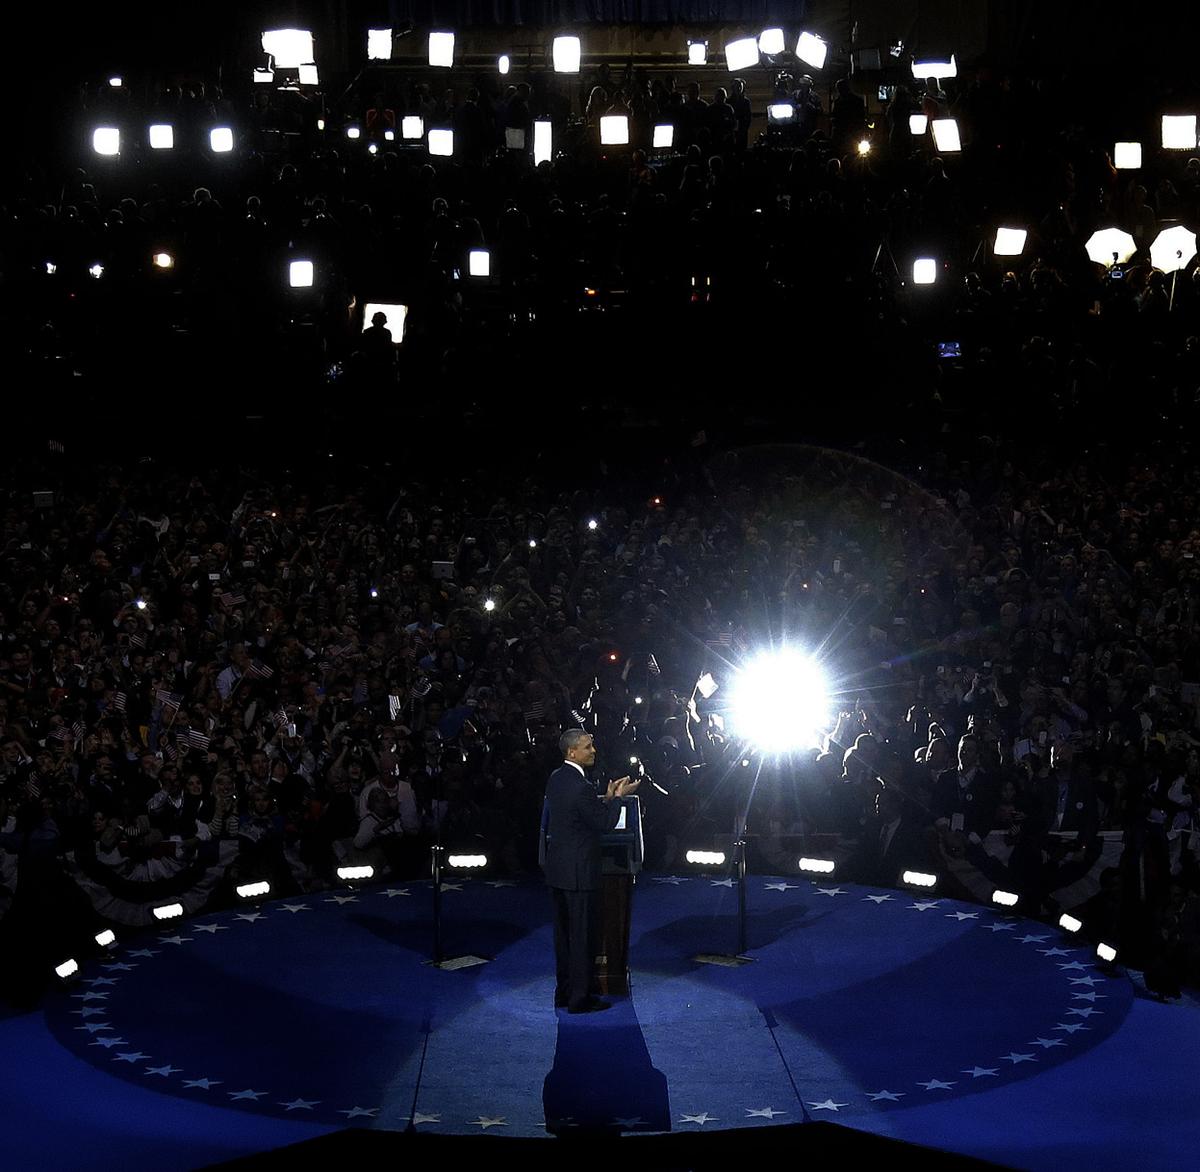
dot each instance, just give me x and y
(210, 677)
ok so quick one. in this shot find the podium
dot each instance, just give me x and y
(621, 853)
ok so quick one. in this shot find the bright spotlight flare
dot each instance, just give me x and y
(781, 701)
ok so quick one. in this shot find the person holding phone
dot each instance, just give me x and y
(574, 820)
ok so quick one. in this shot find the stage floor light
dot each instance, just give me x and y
(1179, 132)
(780, 701)
(162, 137)
(68, 968)
(918, 879)
(106, 140)
(355, 874)
(1005, 898)
(395, 315)
(566, 53)
(1069, 923)
(543, 141)
(1127, 156)
(379, 44)
(614, 130)
(290, 47)
(441, 50)
(945, 135)
(254, 890)
(168, 911)
(741, 54)
(466, 862)
(812, 50)
(1009, 241)
(770, 41)
(706, 858)
(817, 866)
(1106, 952)
(106, 938)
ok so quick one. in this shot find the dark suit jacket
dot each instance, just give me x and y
(575, 820)
(1081, 815)
(906, 851)
(977, 804)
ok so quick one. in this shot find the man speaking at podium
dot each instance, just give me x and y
(574, 818)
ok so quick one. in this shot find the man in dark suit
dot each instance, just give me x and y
(892, 843)
(964, 801)
(574, 820)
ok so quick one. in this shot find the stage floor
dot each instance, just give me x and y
(922, 1019)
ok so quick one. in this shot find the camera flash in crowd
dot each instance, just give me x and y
(97, 270)
(164, 260)
(372, 149)
(636, 700)
(389, 136)
(374, 592)
(140, 603)
(593, 523)
(864, 146)
(489, 604)
(116, 82)
(320, 123)
(51, 268)
(353, 132)
(532, 543)
(504, 64)
(613, 657)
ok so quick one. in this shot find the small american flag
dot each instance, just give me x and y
(61, 734)
(198, 740)
(259, 670)
(723, 640)
(171, 753)
(393, 706)
(78, 729)
(229, 598)
(56, 446)
(421, 688)
(137, 641)
(280, 718)
(118, 702)
(652, 665)
(168, 699)
(536, 712)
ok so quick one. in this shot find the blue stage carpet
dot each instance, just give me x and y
(936, 1022)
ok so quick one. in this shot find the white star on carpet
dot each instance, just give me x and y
(146, 952)
(119, 967)
(674, 880)
(1071, 1029)
(299, 907)
(982, 1072)
(721, 882)
(702, 1118)
(342, 899)
(1075, 1009)
(960, 916)
(250, 918)
(101, 980)
(175, 939)
(485, 1122)
(780, 886)
(137, 1056)
(1028, 938)
(371, 1112)
(1015, 1058)
(763, 1113)
(89, 1011)
(89, 996)
(93, 1026)
(1090, 995)
(165, 1071)
(301, 1104)
(457, 887)
(1046, 1043)
(1056, 951)
(876, 898)
(886, 1096)
(1000, 926)
(936, 1084)
(828, 1105)
(501, 883)
(924, 905)
(1073, 966)
(1088, 980)
(212, 929)
(831, 891)
(253, 1096)
(109, 1043)
(205, 1084)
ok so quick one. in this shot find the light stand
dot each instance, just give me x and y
(441, 961)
